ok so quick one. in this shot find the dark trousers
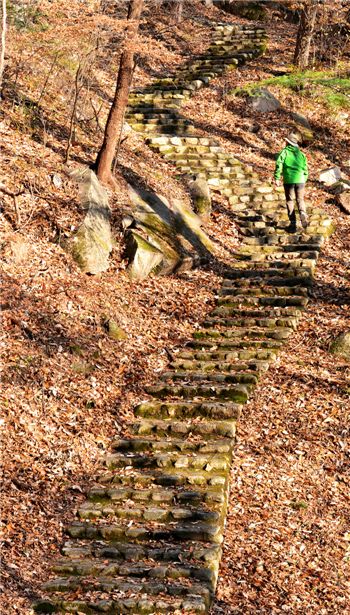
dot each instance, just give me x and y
(297, 191)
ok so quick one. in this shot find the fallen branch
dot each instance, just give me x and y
(14, 196)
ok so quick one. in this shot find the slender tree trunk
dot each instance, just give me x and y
(114, 125)
(3, 39)
(305, 34)
(176, 6)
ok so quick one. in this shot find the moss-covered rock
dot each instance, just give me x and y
(142, 255)
(341, 345)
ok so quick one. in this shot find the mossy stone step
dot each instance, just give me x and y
(206, 461)
(147, 445)
(262, 322)
(263, 290)
(183, 478)
(211, 429)
(161, 513)
(253, 333)
(256, 312)
(144, 570)
(236, 300)
(120, 585)
(219, 366)
(230, 356)
(222, 343)
(153, 531)
(156, 495)
(142, 605)
(191, 553)
(244, 377)
(188, 410)
(288, 271)
(236, 393)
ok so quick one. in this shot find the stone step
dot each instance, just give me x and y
(189, 460)
(212, 429)
(162, 512)
(223, 343)
(235, 393)
(200, 554)
(253, 333)
(279, 266)
(164, 129)
(219, 366)
(257, 312)
(140, 590)
(157, 495)
(147, 445)
(158, 477)
(144, 570)
(264, 290)
(283, 271)
(268, 323)
(141, 604)
(152, 531)
(236, 300)
(175, 410)
(245, 377)
(229, 356)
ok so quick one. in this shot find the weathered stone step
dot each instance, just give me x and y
(234, 300)
(253, 333)
(263, 290)
(280, 265)
(144, 570)
(245, 377)
(297, 239)
(141, 604)
(282, 272)
(219, 366)
(148, 445)
(157, 495)
(188, 410)
(131, 587)
(185, 478)
(253, 355)
(191, 553)
(206, 461)
(162, 512)
(234, 393)
(223, 343)
(153, 531)
(179, 141)
(164, 129)
(262, 322)
(257, 312)
(186, 428)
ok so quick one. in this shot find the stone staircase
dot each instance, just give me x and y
(148, 538)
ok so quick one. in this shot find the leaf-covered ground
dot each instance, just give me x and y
(68, 388)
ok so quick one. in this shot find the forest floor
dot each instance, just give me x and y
(68, 388)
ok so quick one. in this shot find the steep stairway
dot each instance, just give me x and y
(148, 537)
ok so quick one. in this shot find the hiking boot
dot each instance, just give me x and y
(304, 221)
(292, 228)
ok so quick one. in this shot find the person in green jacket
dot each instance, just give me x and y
(291, 163)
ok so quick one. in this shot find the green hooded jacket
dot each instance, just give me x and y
(292, 164)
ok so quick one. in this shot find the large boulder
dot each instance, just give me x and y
(343, 200)
(163, 237)
(142, 255)
(92, 243)
(341, 345)
(263, 101)
(330, 176)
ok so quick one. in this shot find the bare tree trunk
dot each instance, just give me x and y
(305, 34)
(3, 39)
(114, 125)
(177, 6)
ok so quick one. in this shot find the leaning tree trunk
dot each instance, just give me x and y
(3, 39)
(305, 34)
(114, 125)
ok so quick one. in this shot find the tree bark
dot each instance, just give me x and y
(3, 39)
(176, 6)
(305, 34)
(114, 125)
